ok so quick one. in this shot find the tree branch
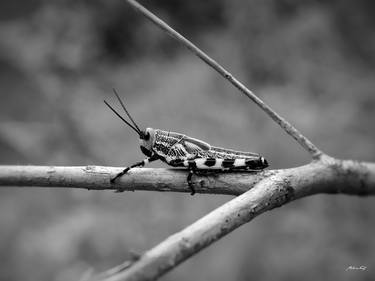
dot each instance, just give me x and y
(260, 192)
(277, 188)
(98, 178)
(288, 128)
(329, 176)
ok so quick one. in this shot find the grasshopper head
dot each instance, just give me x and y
(146, 141)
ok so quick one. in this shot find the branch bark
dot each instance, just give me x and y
(328, 175)
(260, 192)
(98, 178)
(276, 188)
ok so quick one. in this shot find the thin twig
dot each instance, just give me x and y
(290, 129)
(332, 176)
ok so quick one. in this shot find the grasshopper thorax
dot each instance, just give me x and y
(146, 141)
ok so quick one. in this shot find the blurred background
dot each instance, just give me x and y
(312, 61)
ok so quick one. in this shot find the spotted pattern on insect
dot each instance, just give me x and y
(179, 150)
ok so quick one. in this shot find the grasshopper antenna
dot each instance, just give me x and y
(126, 111)
(122, 118)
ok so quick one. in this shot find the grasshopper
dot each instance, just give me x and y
(179, 150)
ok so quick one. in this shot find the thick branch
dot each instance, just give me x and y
(289, 128)
(265, 191)
(326, 176)
(98, 178)
(276, 189)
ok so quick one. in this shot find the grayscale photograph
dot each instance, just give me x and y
(187, 140)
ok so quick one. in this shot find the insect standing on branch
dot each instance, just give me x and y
(179, 150)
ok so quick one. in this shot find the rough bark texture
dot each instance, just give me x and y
(260, 192)
(275, 189)
(324, 176)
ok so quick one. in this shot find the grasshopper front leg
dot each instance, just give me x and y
(138, 164)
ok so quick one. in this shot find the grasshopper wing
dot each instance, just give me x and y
(230, 153)
(195, 146)
(191, 145)
(188, 148)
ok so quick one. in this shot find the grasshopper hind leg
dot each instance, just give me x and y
(192, 170)
(190, 183)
